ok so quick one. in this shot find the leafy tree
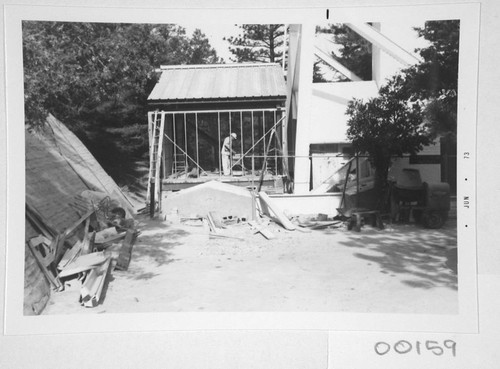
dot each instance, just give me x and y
(354, 53)
(414, 107)
(386, 126)
(435, 80)
(95, 77)
(258, 43)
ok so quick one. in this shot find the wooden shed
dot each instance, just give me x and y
(195, 107)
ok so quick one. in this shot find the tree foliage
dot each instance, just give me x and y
(95, 77)
(354, 53)
(386, 126)
(412, 108)
(258, 43)
(435, 80)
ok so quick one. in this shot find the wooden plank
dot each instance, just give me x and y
(90, 293)
(303, 230)
(47, 256)
(266, 233)
(125, 255)
(39, 223)
(86, 238)
(216, 219)
(53, 280)
(83, 263)
(108, 235)
(282, 218)
(211, 223)
(72, 228)
(225, 236)
(262, 230)
(70, 255)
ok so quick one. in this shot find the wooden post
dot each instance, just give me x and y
(357, 180)
(152, 200)
(264, 165)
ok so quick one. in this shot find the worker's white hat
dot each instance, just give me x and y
(234, 135)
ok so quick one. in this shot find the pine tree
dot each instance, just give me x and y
(258, 43)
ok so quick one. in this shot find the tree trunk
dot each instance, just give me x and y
(381, 186)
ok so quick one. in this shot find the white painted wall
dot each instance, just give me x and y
(430, 173)
(328, 108)
(326, 121)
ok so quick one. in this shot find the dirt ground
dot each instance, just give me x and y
(178, 267)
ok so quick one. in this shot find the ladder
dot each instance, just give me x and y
(156, 127)
(179, 165)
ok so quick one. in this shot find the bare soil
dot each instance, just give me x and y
(177, 267)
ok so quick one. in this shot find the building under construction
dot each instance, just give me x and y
(284, 144)
(194, 108)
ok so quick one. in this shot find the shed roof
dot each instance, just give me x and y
(219, 81)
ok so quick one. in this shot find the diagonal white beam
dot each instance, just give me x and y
(323, 51)
(335, 64)
(383, 42)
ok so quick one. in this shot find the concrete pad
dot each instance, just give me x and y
(210, 196)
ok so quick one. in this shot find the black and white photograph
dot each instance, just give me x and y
(218, 169)
(167, 169)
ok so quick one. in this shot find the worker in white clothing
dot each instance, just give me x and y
(226, 153)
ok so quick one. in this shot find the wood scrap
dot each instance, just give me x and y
(254, 205)
(107, 236)
(104, 234)
(211, 224)
(319, 224)
(303, 230)
(285, 222)
(39, 223)
(322, 225)
(44, 248)
(193, 221)
(91, 291)
(214, 235)
(125, 255)
(75, 225)
(70, 255)
(42, 263)
(83, 263)
(266, 233)
(216, 219)
(262, 230)
(87, 244)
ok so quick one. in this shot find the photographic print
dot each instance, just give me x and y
(242, 168)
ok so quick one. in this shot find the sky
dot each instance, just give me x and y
(401, 32)
(216, 33)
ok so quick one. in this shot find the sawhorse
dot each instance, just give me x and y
(356, 220)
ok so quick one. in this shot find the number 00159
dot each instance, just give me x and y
(405, 347)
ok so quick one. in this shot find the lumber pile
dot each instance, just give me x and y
(70, 255)
(267, 219)
(95, 267)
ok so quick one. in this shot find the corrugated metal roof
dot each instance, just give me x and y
(219, 81)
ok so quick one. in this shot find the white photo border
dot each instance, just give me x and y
(466, 321)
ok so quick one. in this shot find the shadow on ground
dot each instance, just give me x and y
(425, 256)
(155, 244)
